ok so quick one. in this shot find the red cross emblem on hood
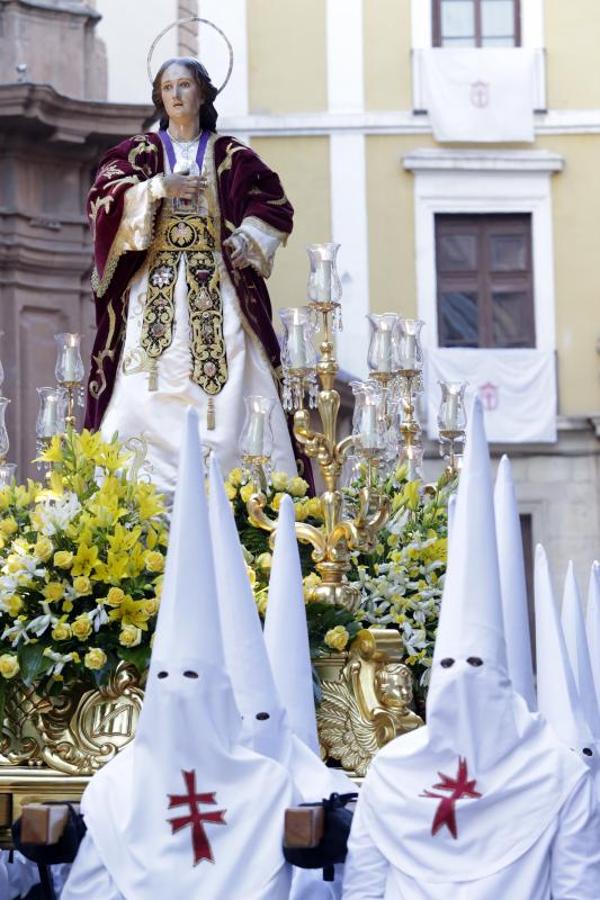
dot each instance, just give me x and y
(457, 788)
(195, 818)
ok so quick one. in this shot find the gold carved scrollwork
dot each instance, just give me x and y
(76, 732)
(366, 702)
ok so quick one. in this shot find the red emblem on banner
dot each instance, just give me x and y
(457, 788)
(202, 849)
(489, 395)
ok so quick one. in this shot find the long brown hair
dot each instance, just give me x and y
(208, 115)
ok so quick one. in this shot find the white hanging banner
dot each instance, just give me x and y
(517, 389)
(480, 94)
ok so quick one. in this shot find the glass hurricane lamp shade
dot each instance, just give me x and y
(409, 349)
(51, 413)
(4, 442)
(256, 439)
(452, 416)
(298, 353)
(369, 418)
(1, 367)
(69, 364)
(382, 355)
(324, 285)
(8, 472)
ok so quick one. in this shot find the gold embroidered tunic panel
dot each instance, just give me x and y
(195, 238)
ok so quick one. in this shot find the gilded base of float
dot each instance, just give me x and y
(50, 748)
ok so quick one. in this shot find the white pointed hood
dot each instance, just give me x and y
(593, 624)
(286, 632)
(513, 586)
(265, 725)
(573, 625)
(502, 769)
(254, 686)
(174, 813)
(558, 698)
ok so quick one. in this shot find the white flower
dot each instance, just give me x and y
(55, 515)
(39, 625)
(98, 617)
(59, 659)
(16, 633)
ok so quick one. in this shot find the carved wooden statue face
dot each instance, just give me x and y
(181, 94)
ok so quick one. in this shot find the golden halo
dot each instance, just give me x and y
(186, 22)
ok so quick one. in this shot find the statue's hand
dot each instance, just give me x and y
(187, 187)
(237, 246)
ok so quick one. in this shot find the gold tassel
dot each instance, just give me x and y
(210, 415)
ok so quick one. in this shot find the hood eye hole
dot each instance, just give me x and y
(447, 662)
(262, 716)
(190, 674)
(475, 661)
(587, 752)
(163, 674)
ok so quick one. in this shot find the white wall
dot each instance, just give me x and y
(128, 28)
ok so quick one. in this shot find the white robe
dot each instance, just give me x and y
(563, 864)
(133, 410)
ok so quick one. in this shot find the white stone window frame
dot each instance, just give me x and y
(532, 36)
(485, 182)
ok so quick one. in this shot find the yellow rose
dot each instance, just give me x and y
(264, 561)
(337, 637)
(115, 596)
(297, 487)
(8, 526)
(262, 599)
(82, 585)
(309, 583)
(61, 631)
(54, 590)
(43, 548)
(301, 510)
(150, 606)
(13, 605)
(314, 508)
(276, 501)
(130, 636)
(230, 491)
(82, 627)
(247, 491)
(235, 477)
(279, 480)
(9, 665)
(155, 561)
(95, 658)
(63, 559)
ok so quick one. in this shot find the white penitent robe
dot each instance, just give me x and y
(159, 415)
(563, 864)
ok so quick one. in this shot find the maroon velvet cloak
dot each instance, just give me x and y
(246, 187)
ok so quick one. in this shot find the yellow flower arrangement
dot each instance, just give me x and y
(81, 562)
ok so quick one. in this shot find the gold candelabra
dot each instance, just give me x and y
(340, 534)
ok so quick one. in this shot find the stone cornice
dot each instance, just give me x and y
(63, 119)
(496, 160)
(71, 7)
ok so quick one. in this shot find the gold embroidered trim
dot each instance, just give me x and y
(95, 388)
(280, 202)
(232, 147)
(267, 229)
(195, 237)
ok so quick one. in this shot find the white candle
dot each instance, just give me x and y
(296, 346)
(368, 429)
(385, 351)
(323, 281)
(451, 411)
(256, 433)
(49, 423)
(70, 364)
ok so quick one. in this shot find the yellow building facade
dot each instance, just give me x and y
(334, 95)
